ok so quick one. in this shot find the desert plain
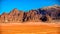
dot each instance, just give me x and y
(30, 28)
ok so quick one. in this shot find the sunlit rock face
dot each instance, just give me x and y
(4, 17)
(34, 15)
(20, 16)
(39, 15)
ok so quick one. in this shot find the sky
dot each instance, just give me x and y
(25, 5)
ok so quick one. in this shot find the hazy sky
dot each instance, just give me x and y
(8, 5)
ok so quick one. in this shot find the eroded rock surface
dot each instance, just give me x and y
(46, 14)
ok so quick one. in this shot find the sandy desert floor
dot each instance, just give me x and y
(29, 28)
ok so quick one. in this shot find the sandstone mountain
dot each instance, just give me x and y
(46, 14)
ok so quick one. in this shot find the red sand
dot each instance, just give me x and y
(29, 28)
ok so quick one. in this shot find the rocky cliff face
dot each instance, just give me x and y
(53, 11)
(39, 15)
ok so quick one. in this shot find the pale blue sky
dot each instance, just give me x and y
(8, 5)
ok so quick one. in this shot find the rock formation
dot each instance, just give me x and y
(46, 14)
(53, 11)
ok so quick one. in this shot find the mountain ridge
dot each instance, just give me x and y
(39, 15)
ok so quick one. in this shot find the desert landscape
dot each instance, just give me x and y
(40, 21)
(30, 28)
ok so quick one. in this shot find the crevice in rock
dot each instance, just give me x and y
(43, 19)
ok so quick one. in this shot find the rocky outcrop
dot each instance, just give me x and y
(46, 14)
(4, 17)
(53, 11)
(13, 15)
(20, 16)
